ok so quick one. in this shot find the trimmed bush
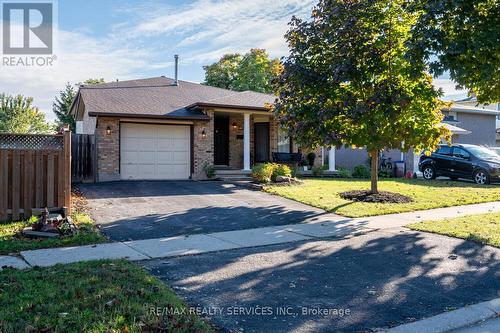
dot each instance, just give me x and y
(361, 171)
(281, 170)
(344, 173)
(266, 172)
(317, 171)
(262, 173)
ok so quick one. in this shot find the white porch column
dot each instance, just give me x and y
(246, 141)
(331, 159)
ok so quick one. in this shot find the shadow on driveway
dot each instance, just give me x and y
(382, 279)
(142, 210)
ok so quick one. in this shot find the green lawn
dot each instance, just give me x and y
(324, 193)
(484, 228)
(10, 243)
(97, 296)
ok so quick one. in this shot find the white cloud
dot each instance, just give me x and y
(79, 57)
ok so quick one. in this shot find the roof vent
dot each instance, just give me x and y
(176, 58)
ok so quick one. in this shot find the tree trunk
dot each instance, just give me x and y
(374, 171)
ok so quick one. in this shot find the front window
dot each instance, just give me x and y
(482, 152)
(283, 141)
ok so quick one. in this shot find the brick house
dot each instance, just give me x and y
(161, 128)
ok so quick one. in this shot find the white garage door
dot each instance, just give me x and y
(154, 151)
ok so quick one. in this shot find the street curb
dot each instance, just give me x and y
(452, 320)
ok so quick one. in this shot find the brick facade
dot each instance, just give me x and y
(203, 146)
(108, 149)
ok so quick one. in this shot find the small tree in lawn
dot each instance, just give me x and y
(347, 81)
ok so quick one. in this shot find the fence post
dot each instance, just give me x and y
(67, 170)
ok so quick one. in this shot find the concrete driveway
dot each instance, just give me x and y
(360, 284)
(143, 210)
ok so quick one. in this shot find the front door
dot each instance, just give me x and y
(221, 140)
(261, 150)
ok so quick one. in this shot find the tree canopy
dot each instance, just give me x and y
(251, 71)
(19, 115)
(462, 37)
(62, 103)
(62, 107)
(348, 81)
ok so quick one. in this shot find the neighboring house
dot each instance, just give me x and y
(468, 124)
(161, 128)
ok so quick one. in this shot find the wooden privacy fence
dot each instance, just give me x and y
(35, 172)
(83, 158)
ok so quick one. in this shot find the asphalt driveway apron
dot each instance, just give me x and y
(364, 283)
(143, 210)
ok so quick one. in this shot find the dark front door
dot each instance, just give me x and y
(261, 139)
(221, 140)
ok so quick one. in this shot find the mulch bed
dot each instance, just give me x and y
(78, 201)
(382, 196)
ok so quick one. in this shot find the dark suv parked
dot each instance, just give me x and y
(462, 161)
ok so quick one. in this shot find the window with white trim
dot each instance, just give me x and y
(283, 141)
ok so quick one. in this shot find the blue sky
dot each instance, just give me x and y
(136, 39)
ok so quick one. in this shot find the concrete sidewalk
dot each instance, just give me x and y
(481, 317)
(324, 226)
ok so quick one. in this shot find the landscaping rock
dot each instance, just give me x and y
(283, 179)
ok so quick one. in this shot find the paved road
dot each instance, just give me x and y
(143, 210)
(382, 278)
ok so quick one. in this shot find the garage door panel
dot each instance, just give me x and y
(129, 171)
(155, 151)
(164, 144)
(180, 157)
(129, 157)
(165, 157)
(146, 157)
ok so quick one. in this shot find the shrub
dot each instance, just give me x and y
(317, 170)
(262, 173)
(344, 173)
(295, 171)
(361, 171)
(281, 170)
(209, 170)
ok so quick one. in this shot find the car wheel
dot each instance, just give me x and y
(481, 177)
(429, 173)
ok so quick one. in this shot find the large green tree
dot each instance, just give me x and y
(251, 71)
(62, 103)
(462, 37)
(62, 106)
(348, 81)
(19, 115)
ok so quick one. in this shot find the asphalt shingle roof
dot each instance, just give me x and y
(159, 97)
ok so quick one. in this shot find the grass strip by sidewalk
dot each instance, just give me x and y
(96, 296)
(10, 242)
(324, 193)
(483, 228)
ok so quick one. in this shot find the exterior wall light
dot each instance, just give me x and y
(108, 130)
(235, 126)
(203, 134)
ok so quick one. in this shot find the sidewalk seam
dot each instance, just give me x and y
(136, 250)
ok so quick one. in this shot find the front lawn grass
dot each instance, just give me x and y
(324, 193)
(483, 228)
(97, 296)
(10, 242)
